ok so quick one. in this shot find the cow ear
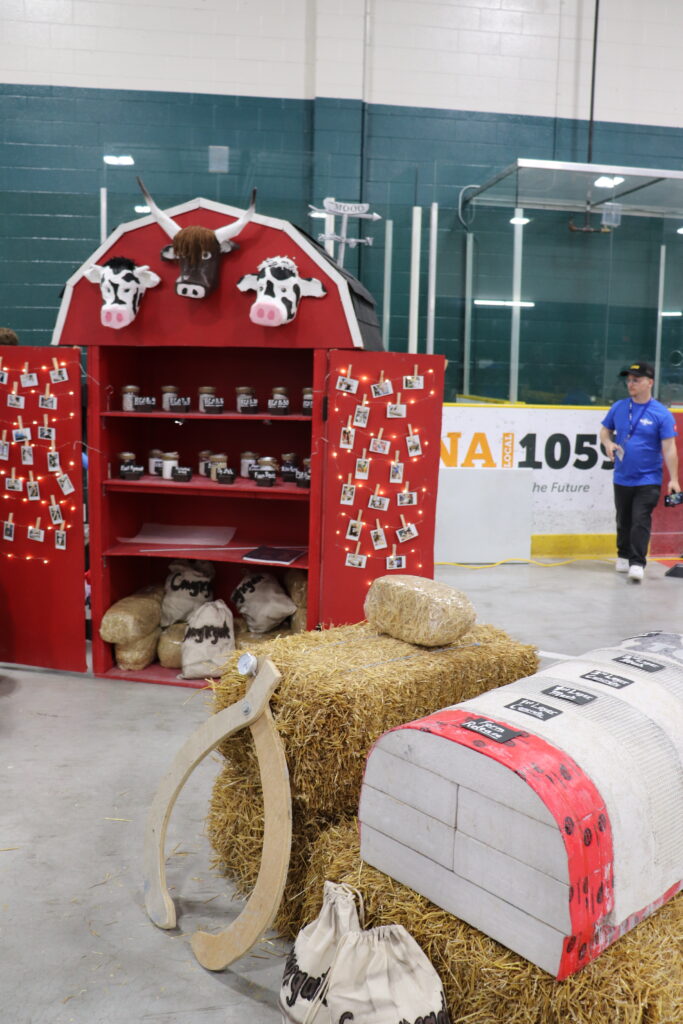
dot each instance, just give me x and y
(94, 273)
(168, 253)
(147, 277)
(312, 288)
(247, 283)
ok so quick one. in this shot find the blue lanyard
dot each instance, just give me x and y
(631, 425)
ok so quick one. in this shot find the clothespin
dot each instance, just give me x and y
(359, 517)
(415, 373)
(25, 370)
(410, 430)
(349, 479)
(365, 452)
(348, 423)
(10, 517)
(348, 372)
(4, 435)
(378, 525)
(376, 490)
(30, 476)
(20, 423)
(37, 526)
(403, 521)
(357, 551)
(47, 390)
(398, 398)
(52, 500)
(14, 388)
(379, 436)
(46, 420)
(393, 551)
(397, 457)
(55, 363)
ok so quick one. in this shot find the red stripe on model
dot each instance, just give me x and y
(580, 814)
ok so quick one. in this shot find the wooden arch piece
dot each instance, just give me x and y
(215, 952)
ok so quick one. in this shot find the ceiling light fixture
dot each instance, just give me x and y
(503, 302)
(520, 220)
(604, 181)
(142, 209)
(118, 161)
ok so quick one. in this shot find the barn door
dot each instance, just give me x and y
(42, 570)
(381, 464)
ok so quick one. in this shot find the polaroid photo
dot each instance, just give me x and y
(21, 434)
(4, 450)
(14, 483)
(348, 494)
(413, 383)
(362, 469)
(407, 532)
(59, 376)
(354, 528)
(406, 498)
(348, 436)
(64, 482)
(396, 412)
(4, 376)
(47, 434)
(396, 562)
(47, 401)
(8, 531)
(381, 389)
(16, 401)
(26, 455)
(38, 535)
(347, 384)
(378, 502)
(60, 540)
(56, 517)
(355, 561)
(413, 445)
(380, 446)
(33, 490)
(378, 539)
(53, 464)
(396, 473)
(361, 416)
(28, 380)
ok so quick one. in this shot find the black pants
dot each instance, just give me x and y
(634, 507)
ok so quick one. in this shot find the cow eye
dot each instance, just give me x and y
(206, 255)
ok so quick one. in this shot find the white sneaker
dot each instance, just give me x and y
(621, 565)
(636, 573)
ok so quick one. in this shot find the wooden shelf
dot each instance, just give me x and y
(246, 417)
(155, 673)
(148, 484)
(210, 554)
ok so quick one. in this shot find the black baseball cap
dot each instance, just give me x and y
(639, 370)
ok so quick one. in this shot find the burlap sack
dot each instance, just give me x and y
(187, 586)
(209, 639)
(132, 617)
(262, 601)
(418, 611)
(137, 654)
(170, 648)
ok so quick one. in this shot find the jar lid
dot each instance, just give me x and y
(279, 391)
(155, 453)
(218, 457)
(307, 391)
(267, 460)
(169, 387)
(244, 391)
(207, 390)
(127, 456)
(204, 454)
(307, 462)
(170, 455)
(249, 455)
(131, 387)
(289, 457)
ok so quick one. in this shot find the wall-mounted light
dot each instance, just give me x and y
(679, 231)
(673, 312)
(520, 220)
(118, 161)
(503, 302)
(604, 181)
(142, 209)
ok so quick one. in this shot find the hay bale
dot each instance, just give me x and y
(132, 617)
(418, 610)
(170, 648)
(296, 584)
(342, 688)
(137, 654)
(637, 981)
(299, 620)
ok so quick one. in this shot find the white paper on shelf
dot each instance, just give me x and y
(182, 535)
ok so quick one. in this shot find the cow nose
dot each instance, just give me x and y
(116, 317)
(190, 291)
(266, 314)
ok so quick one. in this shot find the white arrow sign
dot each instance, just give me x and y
(330, 205)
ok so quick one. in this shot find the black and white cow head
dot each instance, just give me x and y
(197, 249)
(122, 285)
(279, 289)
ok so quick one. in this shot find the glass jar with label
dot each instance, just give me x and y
(203, 456)
(265, 473)
(279, 402)
(219, 460)
(247, 459)
(288, 464)
(125, 459)
(154, 461)
(168, 393)
(307, 400)
(128, 395)
(246, 400)
(169, 461)
(202, 394)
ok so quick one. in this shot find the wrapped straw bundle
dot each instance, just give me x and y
(418, 610)
(639, 980)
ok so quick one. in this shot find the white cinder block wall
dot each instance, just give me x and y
(509, 56)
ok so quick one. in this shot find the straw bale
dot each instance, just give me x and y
(170, 648)
(299, 620)
(246, 641)
(137, 654)
(418, 610)
(132, 617)
(639, 980)
(342, 688)
(296, 583)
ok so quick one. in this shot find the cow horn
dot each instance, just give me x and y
(166, 222)
(232, 230)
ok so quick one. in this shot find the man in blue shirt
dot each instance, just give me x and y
(638, 433)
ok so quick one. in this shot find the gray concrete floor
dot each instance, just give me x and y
(80, 759)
